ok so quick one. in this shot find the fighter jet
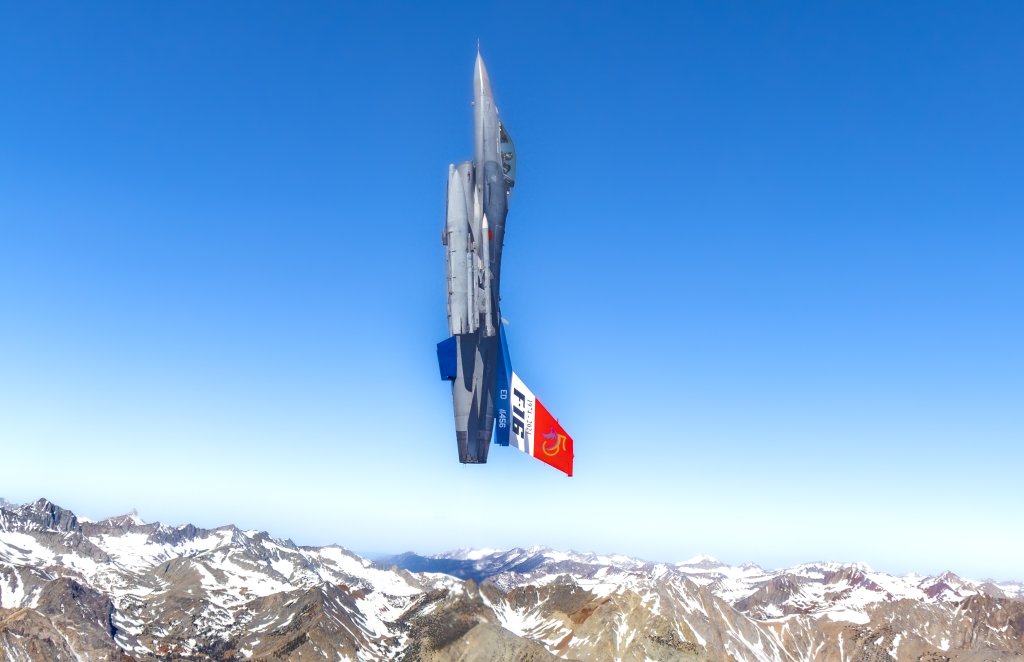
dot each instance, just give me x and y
(490, 400)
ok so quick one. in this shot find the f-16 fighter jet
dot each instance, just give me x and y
(489, 398)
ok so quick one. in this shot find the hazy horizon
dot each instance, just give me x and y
(380, 554)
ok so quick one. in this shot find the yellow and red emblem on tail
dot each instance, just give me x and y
(553, 446)
(535, 431)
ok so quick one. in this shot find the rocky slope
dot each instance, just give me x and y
(122, 589)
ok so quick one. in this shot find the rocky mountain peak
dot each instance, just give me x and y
(703, 561)
(126, 521)
(42, 515)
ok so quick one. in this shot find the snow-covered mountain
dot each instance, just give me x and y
(122, 589)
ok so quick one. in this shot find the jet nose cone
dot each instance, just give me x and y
(481, 81)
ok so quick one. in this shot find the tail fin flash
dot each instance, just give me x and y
(554, 446)
(535, 431)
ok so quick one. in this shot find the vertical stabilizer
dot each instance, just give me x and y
(536, 432)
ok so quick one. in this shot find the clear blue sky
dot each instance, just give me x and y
(764, 261)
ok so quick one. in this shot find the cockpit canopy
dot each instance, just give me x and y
(508, 156)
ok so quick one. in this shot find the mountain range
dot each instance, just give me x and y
(123, 589)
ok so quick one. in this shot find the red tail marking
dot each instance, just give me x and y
(551, 444)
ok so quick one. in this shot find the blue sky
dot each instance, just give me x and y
(763, 261)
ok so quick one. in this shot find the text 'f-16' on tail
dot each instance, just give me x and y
(475, 358)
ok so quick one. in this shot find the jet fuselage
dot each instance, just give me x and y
(474, 234)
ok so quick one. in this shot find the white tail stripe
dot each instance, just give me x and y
(524, 415)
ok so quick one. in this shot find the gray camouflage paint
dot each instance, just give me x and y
(474, 233)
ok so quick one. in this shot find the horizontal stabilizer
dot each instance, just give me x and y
(447, 359)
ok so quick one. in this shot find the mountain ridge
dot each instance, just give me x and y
(124, 589)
